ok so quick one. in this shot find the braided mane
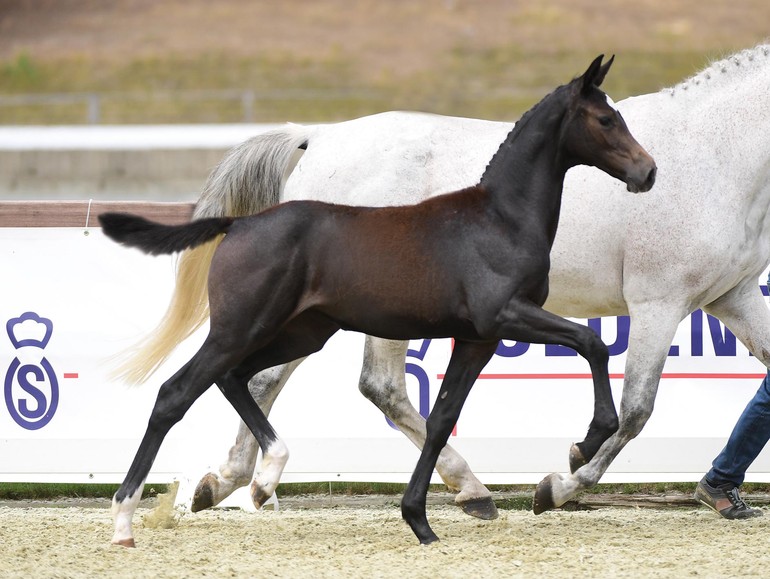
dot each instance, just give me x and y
(518, 127)
(744, 61)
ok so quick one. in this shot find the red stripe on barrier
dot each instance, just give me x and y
(667, 375)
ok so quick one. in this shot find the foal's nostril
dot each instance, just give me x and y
(651, 177)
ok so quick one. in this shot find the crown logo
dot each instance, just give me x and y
(29, 329)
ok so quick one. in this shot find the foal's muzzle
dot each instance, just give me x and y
(643, 182)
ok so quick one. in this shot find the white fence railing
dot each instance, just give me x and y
(247, 101)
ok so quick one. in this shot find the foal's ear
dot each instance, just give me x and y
(594, 76)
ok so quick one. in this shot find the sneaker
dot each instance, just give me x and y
(725, 500)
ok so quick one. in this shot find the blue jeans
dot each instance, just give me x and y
(748, 438)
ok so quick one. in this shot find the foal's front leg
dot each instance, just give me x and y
(652, 329)
(465, 365)
(527, 322)
(383, 383)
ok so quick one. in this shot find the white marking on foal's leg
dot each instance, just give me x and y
(122, 514)
(273, 462)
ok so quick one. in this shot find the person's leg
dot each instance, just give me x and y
(746, 441)
(719, 488)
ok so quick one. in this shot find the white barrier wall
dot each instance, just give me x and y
(72, 299)
(123, 162)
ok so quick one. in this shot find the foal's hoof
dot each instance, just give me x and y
(203, 498)
(576, 458)
(432, 538)
(544, 496)
(482, 508)
(125, 543)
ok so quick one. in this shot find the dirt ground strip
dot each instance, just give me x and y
(372, 541)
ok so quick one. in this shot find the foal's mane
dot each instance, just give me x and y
(721, 71)
(519, 126)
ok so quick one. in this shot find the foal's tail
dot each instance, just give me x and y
(249, 179)
(156, 238)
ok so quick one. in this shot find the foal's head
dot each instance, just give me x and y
(594, 133)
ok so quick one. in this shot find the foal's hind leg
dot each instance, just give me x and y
(175, 397)
(383, 383)
(305, 335)
(238, 470)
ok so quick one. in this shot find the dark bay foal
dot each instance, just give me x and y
(471, 265)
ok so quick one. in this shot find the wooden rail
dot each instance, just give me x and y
(85, 213)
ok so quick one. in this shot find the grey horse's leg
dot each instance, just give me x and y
(744, 312)
(653, 326)
(384, 384)
(238, 470)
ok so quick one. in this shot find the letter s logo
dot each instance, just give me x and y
(31, 390)
(40, 384)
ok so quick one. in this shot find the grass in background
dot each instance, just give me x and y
(491, 60)
(511, 497)
(499, 83)
(49, 491)
(44, 491)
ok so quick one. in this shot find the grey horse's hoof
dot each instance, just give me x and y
(544, 496)
(483, 508)
(258, 495)
(576, 459)
(203, 497)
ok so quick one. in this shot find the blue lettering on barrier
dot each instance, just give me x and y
(724, 343)
(511, 351)
(41, 403)
(722, 339)
(35, 412)
(507, 350)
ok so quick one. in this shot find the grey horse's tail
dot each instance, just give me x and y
(249, 179)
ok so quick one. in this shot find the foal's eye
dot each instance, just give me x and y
(605, 121)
